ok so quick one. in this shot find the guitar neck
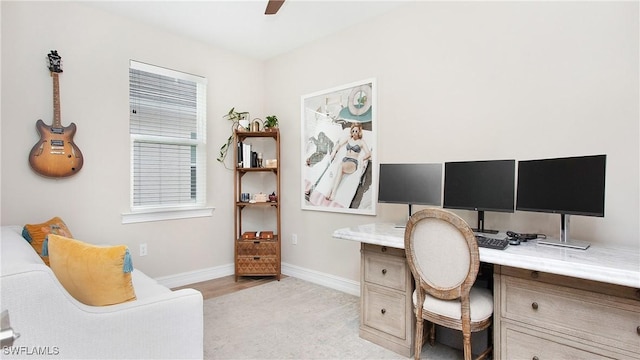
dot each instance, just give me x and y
(57, 121)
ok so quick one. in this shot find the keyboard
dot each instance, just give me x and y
(492, 243)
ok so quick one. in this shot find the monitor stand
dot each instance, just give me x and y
(402, 226)
(481, 228)
(564, 237)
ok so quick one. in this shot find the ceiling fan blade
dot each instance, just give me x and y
(273, 6)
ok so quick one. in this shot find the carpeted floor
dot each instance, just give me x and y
(292, 319)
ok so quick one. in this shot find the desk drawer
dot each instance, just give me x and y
(384, 270)
(521, 345)
(384, 310)
(383, 250)
(585, 315)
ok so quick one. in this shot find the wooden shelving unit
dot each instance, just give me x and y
(257, 255)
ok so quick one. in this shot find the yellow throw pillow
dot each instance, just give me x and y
(94, 275)
(36, 233)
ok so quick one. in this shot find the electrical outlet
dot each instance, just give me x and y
(294, 239)
(143, 249)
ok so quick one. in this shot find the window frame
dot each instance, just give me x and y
(197, 208)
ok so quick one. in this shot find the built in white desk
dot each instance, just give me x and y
(547, 300)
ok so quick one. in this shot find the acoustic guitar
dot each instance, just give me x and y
(55, 154)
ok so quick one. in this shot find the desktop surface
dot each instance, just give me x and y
(598, 263)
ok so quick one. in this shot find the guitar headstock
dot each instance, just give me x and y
(55, 62)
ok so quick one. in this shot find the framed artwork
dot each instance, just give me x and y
(339, 166)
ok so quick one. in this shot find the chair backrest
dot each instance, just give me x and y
(442, 253)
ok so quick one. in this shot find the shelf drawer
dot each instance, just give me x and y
(521, 345)
(384, 270)
(590, 316)
(257, 248)
(384, 310)
(257, 265)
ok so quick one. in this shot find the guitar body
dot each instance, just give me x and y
(55, 154)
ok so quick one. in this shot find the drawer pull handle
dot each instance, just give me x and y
(638, 330)
(256, 242)
(384, 271)
(384, 249)
(535, 274)
(535, 358)
(256, 258)
(534, 306)
(383, 311)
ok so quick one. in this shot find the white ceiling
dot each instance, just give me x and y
(241, 26)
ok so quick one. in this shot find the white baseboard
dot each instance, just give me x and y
(192, 277)
(316, 277)
(324, 279)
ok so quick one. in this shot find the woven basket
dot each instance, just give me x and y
(257, 265)
(257, 248)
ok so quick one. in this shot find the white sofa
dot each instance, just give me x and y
(160, 323)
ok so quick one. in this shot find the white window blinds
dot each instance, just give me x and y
(167, 126)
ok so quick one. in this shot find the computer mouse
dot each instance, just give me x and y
(514, 242)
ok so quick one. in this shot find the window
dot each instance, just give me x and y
(167, 125)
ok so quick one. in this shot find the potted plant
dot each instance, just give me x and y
(271, 123)
(239, 120)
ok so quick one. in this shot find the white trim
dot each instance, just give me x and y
(334, 282)
(137, 65)
(324, 279)
(192, 277)
(159, 215)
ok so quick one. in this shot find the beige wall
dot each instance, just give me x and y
(456, 81)
(96, 48)
(475, 81)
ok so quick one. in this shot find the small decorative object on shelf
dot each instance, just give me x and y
(243, 121)
(271, 163)
(271, 123)
(249, 235)
(273, 197)
(256, 124)
(260, 197)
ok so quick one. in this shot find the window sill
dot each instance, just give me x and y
(161, 215)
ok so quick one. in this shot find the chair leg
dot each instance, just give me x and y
(419, 338)
(466, 338)
(432, 334)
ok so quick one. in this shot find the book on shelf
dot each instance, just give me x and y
(246, 157)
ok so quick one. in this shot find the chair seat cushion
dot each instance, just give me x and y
(481, 305)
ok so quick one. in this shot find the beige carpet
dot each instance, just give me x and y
(292, 319)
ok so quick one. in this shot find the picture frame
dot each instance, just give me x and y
(339, 167)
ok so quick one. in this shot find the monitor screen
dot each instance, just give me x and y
(414, 184)
(480, 185)
(572, 185)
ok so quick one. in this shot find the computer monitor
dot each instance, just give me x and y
(411, 184)
(480, 186)
(565, 186)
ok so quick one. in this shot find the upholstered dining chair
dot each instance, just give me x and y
(443, 255)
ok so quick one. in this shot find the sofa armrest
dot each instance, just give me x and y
(165, 326)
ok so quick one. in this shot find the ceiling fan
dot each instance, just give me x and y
(273, 6)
